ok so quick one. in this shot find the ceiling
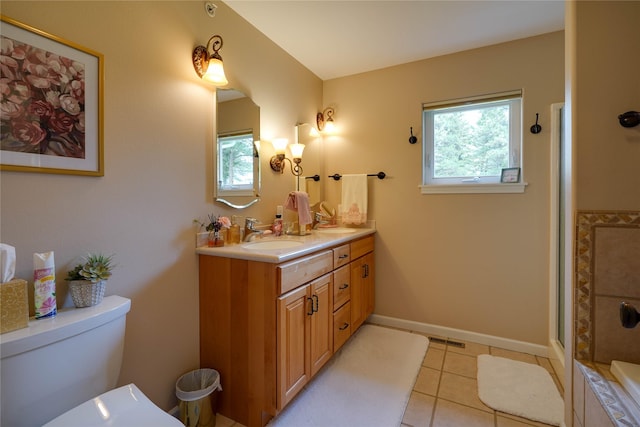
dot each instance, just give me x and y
(336, 38)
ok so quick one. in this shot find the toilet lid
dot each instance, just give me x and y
(125, 406)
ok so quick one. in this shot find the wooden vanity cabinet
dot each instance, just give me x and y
(269, 328)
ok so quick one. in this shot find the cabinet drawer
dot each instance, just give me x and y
(341, 255)
(361, 247)
(341, 286)
(341, 326)
(302, 270)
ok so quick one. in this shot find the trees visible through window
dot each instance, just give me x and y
(471, 141)
(235, 162)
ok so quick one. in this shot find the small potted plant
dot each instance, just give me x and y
(88, 279)
(216, 224)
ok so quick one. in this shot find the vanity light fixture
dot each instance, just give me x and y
(325, 121)
(209, 65)
(278, 161)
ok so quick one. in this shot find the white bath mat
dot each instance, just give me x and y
(366, 384)
(519, 388)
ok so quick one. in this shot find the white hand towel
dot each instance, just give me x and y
(354, 199)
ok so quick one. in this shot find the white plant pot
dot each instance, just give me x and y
(85, 293)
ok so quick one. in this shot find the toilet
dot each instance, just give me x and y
(62, 371)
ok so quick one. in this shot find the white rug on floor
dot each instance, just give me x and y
(519, 388)
(366, 384)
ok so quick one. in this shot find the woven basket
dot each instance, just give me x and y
(85, 293)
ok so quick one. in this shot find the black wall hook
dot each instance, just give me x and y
(629, 119)
(536, 128)
(412, 138)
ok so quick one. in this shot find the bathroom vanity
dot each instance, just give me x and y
(272, 314)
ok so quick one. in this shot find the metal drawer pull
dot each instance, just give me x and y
(310, 313)
(317, 303)
(343, 327)
(343, 256)
(343, 286)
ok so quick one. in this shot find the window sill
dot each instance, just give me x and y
(473, 188)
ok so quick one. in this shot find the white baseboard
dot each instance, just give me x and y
(460, 334)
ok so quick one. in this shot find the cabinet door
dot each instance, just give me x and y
(369, 285)
(294, 369)
(357, 293)
(362, 290)
(321, 322)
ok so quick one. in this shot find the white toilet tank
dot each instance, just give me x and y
(58, 363)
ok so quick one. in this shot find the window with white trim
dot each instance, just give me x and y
(467, 142)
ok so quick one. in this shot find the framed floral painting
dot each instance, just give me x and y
(51, 112)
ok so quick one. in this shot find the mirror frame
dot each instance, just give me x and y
(252, 124)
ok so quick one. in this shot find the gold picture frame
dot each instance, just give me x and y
(52, 103)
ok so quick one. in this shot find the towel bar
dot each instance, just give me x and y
(380, 175)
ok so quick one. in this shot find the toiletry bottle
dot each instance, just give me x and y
(234, 232)
(277, 223)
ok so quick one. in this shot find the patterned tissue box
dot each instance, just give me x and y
(14, 303)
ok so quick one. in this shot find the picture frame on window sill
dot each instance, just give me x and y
(52, 119)
(510, 175)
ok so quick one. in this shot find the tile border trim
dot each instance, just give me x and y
(586, 223)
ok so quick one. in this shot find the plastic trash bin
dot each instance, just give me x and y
(197, 392)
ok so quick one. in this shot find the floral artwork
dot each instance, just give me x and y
(50, 103)
(41, 101)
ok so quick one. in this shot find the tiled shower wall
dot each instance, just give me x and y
(607, 273)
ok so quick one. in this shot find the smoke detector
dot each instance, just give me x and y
(210, 8)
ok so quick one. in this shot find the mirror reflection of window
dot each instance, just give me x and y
(235, 162)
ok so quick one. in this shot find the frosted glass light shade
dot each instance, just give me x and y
(215, 73)
(296, 150)
(280, 144)
(329, 127)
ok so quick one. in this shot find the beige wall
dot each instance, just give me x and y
(158, 131)
(608, 66)
(476, 262)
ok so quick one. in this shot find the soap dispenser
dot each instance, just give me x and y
(277, 223)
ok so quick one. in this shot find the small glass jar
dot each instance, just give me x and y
(216, 239)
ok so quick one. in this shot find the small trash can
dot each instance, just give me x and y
(197, 392)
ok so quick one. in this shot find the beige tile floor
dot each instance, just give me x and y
(445, 392)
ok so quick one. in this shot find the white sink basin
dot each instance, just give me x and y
(336, 230)
(272, 244)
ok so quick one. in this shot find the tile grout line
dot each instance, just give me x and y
(435, 401)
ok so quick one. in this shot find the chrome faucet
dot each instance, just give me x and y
(250, 232)
(318, 219)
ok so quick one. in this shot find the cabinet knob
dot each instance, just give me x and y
(343, 286)
(343, 327)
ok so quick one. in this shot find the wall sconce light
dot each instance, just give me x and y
(278, 161)
(325, 121)
(209, 65)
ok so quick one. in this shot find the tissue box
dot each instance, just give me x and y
(14, 303)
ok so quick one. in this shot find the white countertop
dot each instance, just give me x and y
(313, 242)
